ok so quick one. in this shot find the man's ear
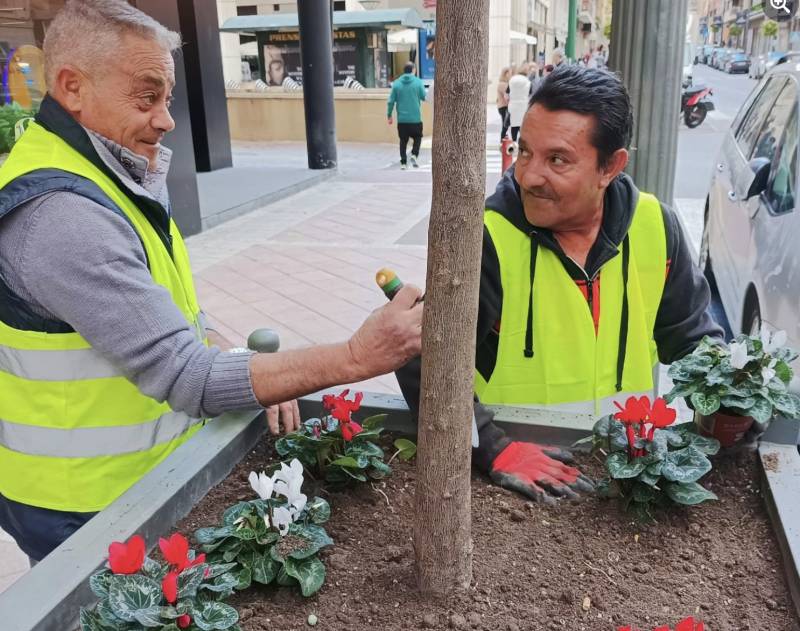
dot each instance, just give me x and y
(616, 163)
(70, 88)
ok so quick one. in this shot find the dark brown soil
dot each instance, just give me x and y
(575, 566)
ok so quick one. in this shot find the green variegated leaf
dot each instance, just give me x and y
(218, 569)
(284, 579)
(761, 411)
(111, 619)
(244, 578)
(232, 552)
(98, 582)
(355, 474)
(680, 391)
(318, 511)
(129, 593)
(349, 462)
(618, 466)
(366, 448)
(705, 403)
(233, 513)
(655, 468)
(689, 494)
(91, 621)
(704, 444)
(776, 386)
(602, 426)
(150, 618)
(189, 580)
(213, 616)
(153, 569)
(264, 569)
(787, 404)
(685, 465)
(648, 478)
(719, 376)
(406, 449)
(310, 574)
(659, 445)
(617, 438)
(223, 584)
(378, 469)
(211, 535)
(374, 422)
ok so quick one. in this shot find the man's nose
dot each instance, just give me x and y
(162, 120)
(529, 175)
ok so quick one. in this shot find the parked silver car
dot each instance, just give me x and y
(752, 225)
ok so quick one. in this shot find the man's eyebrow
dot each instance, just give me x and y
(152, 80)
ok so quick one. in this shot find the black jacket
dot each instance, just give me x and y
(683, 317)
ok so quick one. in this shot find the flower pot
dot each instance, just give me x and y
(728, 429)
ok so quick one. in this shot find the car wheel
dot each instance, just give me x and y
(752, 320)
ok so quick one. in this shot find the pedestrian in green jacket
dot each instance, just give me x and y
(408, 92)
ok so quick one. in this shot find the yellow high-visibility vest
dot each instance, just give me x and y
(75, 433)
(572, 368)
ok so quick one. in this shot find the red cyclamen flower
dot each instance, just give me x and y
(184, 621)
(176, 552)
(661, 415)
(350, 429)
(126, 558)
(169, 585)
(340, 408)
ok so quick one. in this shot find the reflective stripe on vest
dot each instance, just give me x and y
(572, 363)
(75, 433)
(88, 442)
(62, 365)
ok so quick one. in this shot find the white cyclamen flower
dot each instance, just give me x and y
(262, 484)
(282, 519)
(266, 521)
(768, 372)
(772, 343)
(288, 482)
(739, 356)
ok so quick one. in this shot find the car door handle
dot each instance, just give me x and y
(720, 167)
(732, 196)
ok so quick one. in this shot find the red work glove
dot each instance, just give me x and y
(538, 472)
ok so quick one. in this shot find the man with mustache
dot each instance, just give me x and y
(106, 366)
(586, 282)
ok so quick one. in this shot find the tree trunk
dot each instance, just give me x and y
(442, 530)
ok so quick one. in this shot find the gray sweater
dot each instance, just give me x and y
(70, 259)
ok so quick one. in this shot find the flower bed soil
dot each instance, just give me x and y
(573, 566)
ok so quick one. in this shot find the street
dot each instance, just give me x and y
(698, 148)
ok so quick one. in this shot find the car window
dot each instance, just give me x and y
(754, 120)
(772, 130)
(780, 192)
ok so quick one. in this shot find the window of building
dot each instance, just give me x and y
(339, 6)
(249, 9)
(22, 83)
(276, 7)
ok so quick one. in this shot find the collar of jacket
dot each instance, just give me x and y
(619, 204)
(57, 120)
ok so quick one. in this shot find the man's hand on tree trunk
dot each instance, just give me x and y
(538, 472)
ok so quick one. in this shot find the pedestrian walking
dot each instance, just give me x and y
(502, 100)
(519, 87)
(408, 93)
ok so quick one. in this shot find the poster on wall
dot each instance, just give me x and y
(282, 57)
(427, 51)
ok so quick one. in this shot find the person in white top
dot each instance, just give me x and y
(519, 87)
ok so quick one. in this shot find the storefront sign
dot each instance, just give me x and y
(427, 51)
(282, 57)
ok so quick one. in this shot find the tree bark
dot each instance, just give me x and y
(442, 530)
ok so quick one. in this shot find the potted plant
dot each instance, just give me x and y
(731, 387)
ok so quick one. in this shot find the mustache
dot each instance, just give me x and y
(544, 192)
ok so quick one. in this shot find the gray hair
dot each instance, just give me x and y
(85, 32)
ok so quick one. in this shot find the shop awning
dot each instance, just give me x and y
(522, 38)
(405, 18)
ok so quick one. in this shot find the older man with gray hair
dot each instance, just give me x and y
(105, 364)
